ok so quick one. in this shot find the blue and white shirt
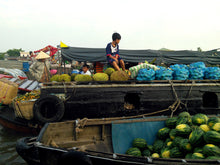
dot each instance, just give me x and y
(110, 50)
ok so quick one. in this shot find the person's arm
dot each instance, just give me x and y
(117, 53)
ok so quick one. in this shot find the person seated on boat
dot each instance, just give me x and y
(85, 70)
(40, 68)
(112, 52)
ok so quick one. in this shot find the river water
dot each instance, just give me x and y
(8, 138)
(8, 154)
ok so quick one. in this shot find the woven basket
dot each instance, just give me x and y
(24, 109)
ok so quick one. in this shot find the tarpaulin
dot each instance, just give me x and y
(168, 57)
(124, 133)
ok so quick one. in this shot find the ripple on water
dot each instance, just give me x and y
(8, 154)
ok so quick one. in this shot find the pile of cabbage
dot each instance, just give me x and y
(194, 71)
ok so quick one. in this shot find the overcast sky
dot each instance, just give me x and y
(143, 24)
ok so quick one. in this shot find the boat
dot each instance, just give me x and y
(96, 141)
(117, 99)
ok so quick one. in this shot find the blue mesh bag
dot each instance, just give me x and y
(197, 65)
(180, 74)
(178, 66)
(212, 73)
(164, 74)
(196, 73)
(146, 75)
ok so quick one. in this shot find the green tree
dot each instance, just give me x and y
(14, 52)
(2, 56)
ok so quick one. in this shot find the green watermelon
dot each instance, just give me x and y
(212, 137)
(211, 150)
(184, 114)
(133, 151)
(146, 152)
(163, 133)
(204, 127)
(158, 145)
(150, 147)
(184, 120)
(155, 155)
(197, 156)
(198, 150)
(165, 153)
(196, 137)
(176, 141)
(139, 143)
(213, 157)
(212, 121)
(172, 134)
(216, 127)
(185, 145)
(183, 129)
(188, 156)
(171, 122)
(199, 119)
(176, 153)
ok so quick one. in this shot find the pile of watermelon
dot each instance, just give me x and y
(185, 136)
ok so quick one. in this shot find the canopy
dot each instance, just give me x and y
(50, 48)
(168, 57)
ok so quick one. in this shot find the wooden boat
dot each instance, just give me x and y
(95, 141)
(116, 99)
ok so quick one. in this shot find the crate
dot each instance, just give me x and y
(24, 109)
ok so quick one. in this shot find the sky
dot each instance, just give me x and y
(143, 24)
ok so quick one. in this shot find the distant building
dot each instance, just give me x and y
(24, 54)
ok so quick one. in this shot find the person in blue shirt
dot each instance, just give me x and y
(112, 52)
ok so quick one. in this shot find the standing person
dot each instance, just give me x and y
(40, 68)
(112, 52)
(85, 70)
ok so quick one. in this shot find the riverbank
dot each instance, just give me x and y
(10, 64)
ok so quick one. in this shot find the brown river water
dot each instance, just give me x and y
(8, 138)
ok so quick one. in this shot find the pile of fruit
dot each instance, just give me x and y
(185, 136)
(35, 94)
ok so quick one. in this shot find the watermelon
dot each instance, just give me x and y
(184, 120)
(216, 127)
(183, 129)
(176, 153)
(213, 157)
(158, 145)
(213, 120)
(172, 134)
(196, 137)
(176, 141)
(197, 156)
(184, 114)
(171, 122)
(155, 155)
(139, 143)
(163, 133)
(169, 144)
(212, 137)
(146, 152)
(185, 145)
(165, 153)
(133, 151)
(188, 156)
(204, 127)
(150, 147)
(199, 119)
(198, 150)
(211, 150)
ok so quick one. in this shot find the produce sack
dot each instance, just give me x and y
(196, 73)
(212, 73)
(164, 74)
(178, 66)
(180, 74)
(8, 90)
(146, 75)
